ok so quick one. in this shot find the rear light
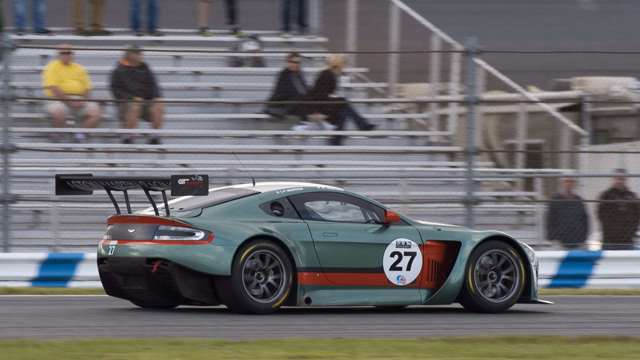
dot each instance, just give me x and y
(136, 229)
(179, 233)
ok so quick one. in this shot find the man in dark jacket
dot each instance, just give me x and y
(567, 219)
(290, 86)
(133, 83)
(619, 214)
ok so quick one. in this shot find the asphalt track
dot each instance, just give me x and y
(101, 316)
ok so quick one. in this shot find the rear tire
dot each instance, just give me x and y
(494, 278)
(261, 279)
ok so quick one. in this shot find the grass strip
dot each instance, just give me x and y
(495, 348)
(49, 291)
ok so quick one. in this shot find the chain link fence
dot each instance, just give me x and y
(454, 140)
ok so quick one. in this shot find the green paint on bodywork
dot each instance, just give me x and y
(312, 246)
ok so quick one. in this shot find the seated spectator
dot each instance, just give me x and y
(97, 18)
(325, 89)
(152, 17)
(68, 84)
(39, 8)
(301, 16)
(203, 17)
(135, 86)
(290, 86)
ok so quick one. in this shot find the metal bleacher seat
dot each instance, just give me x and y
(394, 164)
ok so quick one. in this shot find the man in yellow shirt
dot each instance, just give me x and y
(68, 84)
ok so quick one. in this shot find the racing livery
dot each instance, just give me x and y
(257, 247)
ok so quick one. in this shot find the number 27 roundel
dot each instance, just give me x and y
(402, 262)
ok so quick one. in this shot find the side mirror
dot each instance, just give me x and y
(391, 217)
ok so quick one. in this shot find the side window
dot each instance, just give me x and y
(335, 207)
(333, 210)
(281, 208)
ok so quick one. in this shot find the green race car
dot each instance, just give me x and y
(257, 247)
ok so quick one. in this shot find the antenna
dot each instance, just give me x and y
(242, 165)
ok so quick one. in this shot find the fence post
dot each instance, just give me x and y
(435, 68)
(585, 120)
(6, 147)
(455, 82)
(352, 30)
(394, 46)
(471, 150)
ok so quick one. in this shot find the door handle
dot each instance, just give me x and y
(329, 234)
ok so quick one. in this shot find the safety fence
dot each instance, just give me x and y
(558, 269)
(446, 148)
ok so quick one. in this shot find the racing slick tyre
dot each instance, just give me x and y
(261, 279)
(494, 278)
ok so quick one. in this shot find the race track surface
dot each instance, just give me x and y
(101, 316)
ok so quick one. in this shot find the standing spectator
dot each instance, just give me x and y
(133, 83)
(203, 17)
(325, 89)
(38, 10)
(97, 18)
(567, 219)
(290, 86)
(619, 213)
(301, 15)
(152, 17)
(68, 84)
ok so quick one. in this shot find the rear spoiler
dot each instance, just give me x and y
(180, 185)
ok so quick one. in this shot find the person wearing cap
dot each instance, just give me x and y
(38, 11)
(290, 86)
(97, 18)
(619, 214)
(300, 15)
(152, 17)
(135, 87)
(567, 218)
(203, 17)
(68, 85)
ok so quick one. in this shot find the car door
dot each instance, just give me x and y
(352, 244)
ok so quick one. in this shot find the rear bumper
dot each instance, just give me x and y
(155, 282)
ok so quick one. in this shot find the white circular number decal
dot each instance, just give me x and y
(402, 262)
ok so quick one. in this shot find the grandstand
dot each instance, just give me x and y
(213, 114)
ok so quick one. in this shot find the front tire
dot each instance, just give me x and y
(494, 278)
(261, 279)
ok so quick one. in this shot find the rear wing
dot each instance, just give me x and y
(180, 185)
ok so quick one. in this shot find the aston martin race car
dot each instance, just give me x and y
(257, 247)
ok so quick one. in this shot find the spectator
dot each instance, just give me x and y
(325, 89)
(290, 86)
(301, 17)
(68, 84)
(619, 212)
(97, 18)
(38, 10)
(567, 219)
(152, 17)
(203, 17)
(133, 83)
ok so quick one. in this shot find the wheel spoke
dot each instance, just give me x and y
(265, 290)
(262, 276)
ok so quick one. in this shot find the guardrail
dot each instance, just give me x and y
(558, 269)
